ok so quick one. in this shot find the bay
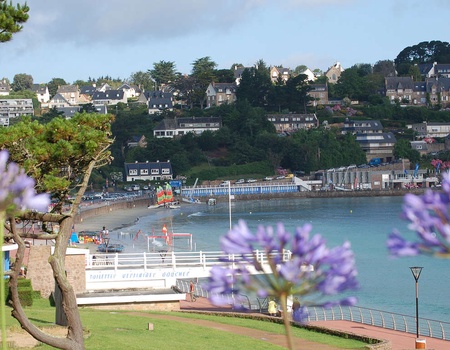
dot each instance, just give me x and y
(385, 283)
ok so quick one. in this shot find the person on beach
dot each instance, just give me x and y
(191, 291)
(272, 309)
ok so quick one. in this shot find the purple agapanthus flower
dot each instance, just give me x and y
(17, 189)
(429, 217)
(289, 264)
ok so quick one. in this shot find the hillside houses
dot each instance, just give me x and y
(148, 171)
(372, 139)
(431, 91)
(289, 123)
(171, 128)
(220, 93)
(14, 108)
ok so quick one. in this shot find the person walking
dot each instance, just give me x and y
(296, 309)
(272, 309)
(191, 291)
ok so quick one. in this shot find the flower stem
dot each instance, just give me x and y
(286, 321)
(2, 284)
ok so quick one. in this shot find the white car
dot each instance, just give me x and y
(240, 181)
(268, 178)
(280, 177)
(251, 180)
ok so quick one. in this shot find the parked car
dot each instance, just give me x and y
(240, 181)
(268, 178)
(280, 177)
(225, 183)
(251, 180)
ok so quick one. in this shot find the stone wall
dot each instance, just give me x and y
(150, 306)
(40, 272)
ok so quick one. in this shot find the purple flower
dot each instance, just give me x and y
(292, 265)
(17, 189)
(429, 217)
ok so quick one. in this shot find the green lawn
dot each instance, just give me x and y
(129, 330)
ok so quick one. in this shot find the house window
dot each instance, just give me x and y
(132, 172)
(155, 171)
(165, 171)
(144, 171)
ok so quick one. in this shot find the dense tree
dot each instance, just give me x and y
(143, 80)
(54, 84)
(22, 81)
(47, 117)
(163, 73)
(402, 149)
(296, 93)
(425, 51)
(385, 68)
(255, 85)
(60, 156)
(203, 72)
(185, 85)
(224, 76)
(11, 19)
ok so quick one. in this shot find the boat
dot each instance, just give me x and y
(191, 200)
(160, 199)
(110, 248)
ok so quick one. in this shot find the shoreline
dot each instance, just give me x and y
(117, 216)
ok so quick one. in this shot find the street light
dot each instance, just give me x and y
(416, 270)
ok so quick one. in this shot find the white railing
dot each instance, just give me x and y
(167, 259)
(388, 320)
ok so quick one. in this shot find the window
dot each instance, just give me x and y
(155, 171)
(132, 172)
(144, 171)
(165, 171)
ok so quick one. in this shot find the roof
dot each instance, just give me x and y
(108, 95)
(59, 97)
(224, 86)
(382, 137)
(39, 89)
(67, 88)
(87, 90)
(69, 112)
(395, 83)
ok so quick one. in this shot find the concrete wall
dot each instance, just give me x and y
(88, 212)
(150, 306)
(40, 272)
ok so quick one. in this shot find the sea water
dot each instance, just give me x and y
(385, 283)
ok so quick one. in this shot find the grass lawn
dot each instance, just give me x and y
(129, 330)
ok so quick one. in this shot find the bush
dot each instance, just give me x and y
(25, 292)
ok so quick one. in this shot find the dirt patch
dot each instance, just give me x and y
(17, 338)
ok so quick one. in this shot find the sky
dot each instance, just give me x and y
(75, 40)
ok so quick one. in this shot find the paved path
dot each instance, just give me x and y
(399, 340)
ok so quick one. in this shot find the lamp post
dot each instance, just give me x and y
(416, 270)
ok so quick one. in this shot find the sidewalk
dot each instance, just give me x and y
(399, 340)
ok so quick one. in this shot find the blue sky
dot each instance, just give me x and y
(92, 38)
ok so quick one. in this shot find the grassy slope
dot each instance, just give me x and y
(121, 330)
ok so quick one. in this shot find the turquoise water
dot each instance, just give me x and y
(385, 283)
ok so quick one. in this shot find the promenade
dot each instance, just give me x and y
(398, 340)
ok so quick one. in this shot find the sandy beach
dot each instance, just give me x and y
(113, 221)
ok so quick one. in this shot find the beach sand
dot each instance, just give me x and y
(113, 221)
